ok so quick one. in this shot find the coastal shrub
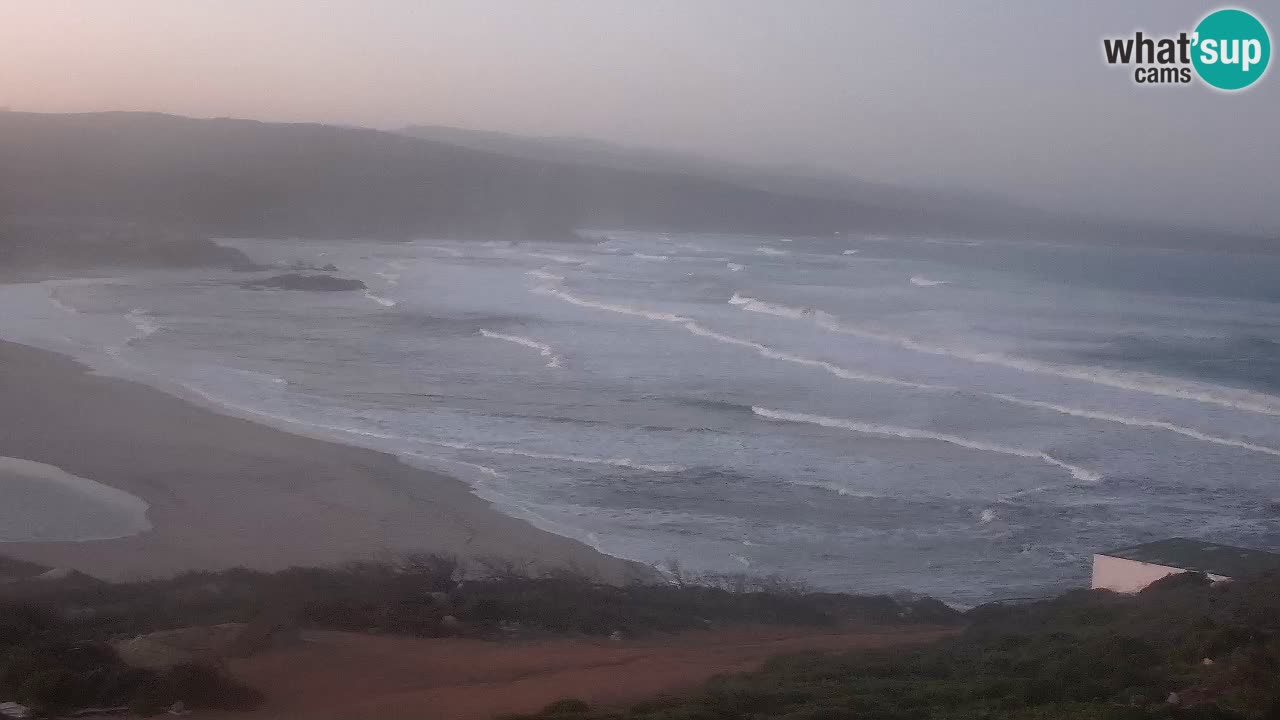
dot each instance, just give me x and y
(566, 706)
(55, 651)
(1086, 655)
(415, 596)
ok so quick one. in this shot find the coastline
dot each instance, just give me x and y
(227, 492)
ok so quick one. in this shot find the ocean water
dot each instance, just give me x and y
(969, 419)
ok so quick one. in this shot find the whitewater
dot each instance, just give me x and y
(963, 417)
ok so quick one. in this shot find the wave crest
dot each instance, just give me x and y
(553, 360)
(1078, 473)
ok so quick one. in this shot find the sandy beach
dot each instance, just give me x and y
(224, 492)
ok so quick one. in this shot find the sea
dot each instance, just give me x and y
(966, 418)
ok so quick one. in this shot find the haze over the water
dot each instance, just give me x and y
(1007, 98)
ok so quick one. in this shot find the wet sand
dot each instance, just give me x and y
(225, 492)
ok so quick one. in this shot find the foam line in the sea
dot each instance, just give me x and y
(384, 302)
(562, 259)
(609, 307)
(143, 323)
(544, 275)
(772, 251)
(774, 354)
(1139, 423)
(845, 373)
(586, 460)
(1248, 401)
(57, 302)
(921, 281)
(553, 360)
(1078, 473)
(339, 430)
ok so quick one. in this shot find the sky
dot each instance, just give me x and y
(1012, 98)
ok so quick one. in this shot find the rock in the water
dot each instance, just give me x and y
(299, 281)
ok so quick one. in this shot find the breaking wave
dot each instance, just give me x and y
(1078, 473)
(544, 275)
(1245, 400)
(553, 360)
(734, 267)
(844, 373)
(921, 281)
(56, 302)
(562, 259)
(609, 307)
(143, 323)
(614, 462)
(384, 302)
(772, 251)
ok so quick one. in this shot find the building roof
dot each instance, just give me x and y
(1200, 556)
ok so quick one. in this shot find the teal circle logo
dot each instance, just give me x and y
(1231, 49)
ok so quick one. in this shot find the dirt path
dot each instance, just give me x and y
(345, 676)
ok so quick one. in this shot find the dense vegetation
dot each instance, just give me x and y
(54, 663)
(56, 635)
(1182, 648)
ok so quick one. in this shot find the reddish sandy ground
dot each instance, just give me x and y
(345, 676)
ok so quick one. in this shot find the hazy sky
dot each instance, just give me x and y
(1011, 96)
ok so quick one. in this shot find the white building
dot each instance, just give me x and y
(1131, 569)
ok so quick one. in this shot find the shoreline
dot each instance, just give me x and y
(229, 492)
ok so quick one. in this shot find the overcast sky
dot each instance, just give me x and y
(1011, 97)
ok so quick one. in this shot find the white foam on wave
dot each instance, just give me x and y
(748, 303)
(259, 377)
(784, 240)
(849, 252)
(1078, 473)
(544, 275)
(451, 252)
(643, 256)
(774, 354)
(144, 325)
(1246, 400)
(734, 267)
(1139, 423)
(384, 302)
(608, 307)
(772, 251)
(553, 360)
(562, 259)
(987, 516)
(56, 302)
(921, 281)
(583, 459)
(339, 430)
(143, 322)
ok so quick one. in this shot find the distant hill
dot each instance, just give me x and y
(883, 207)
(799, 181)
(240, 177)
(246, 178)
